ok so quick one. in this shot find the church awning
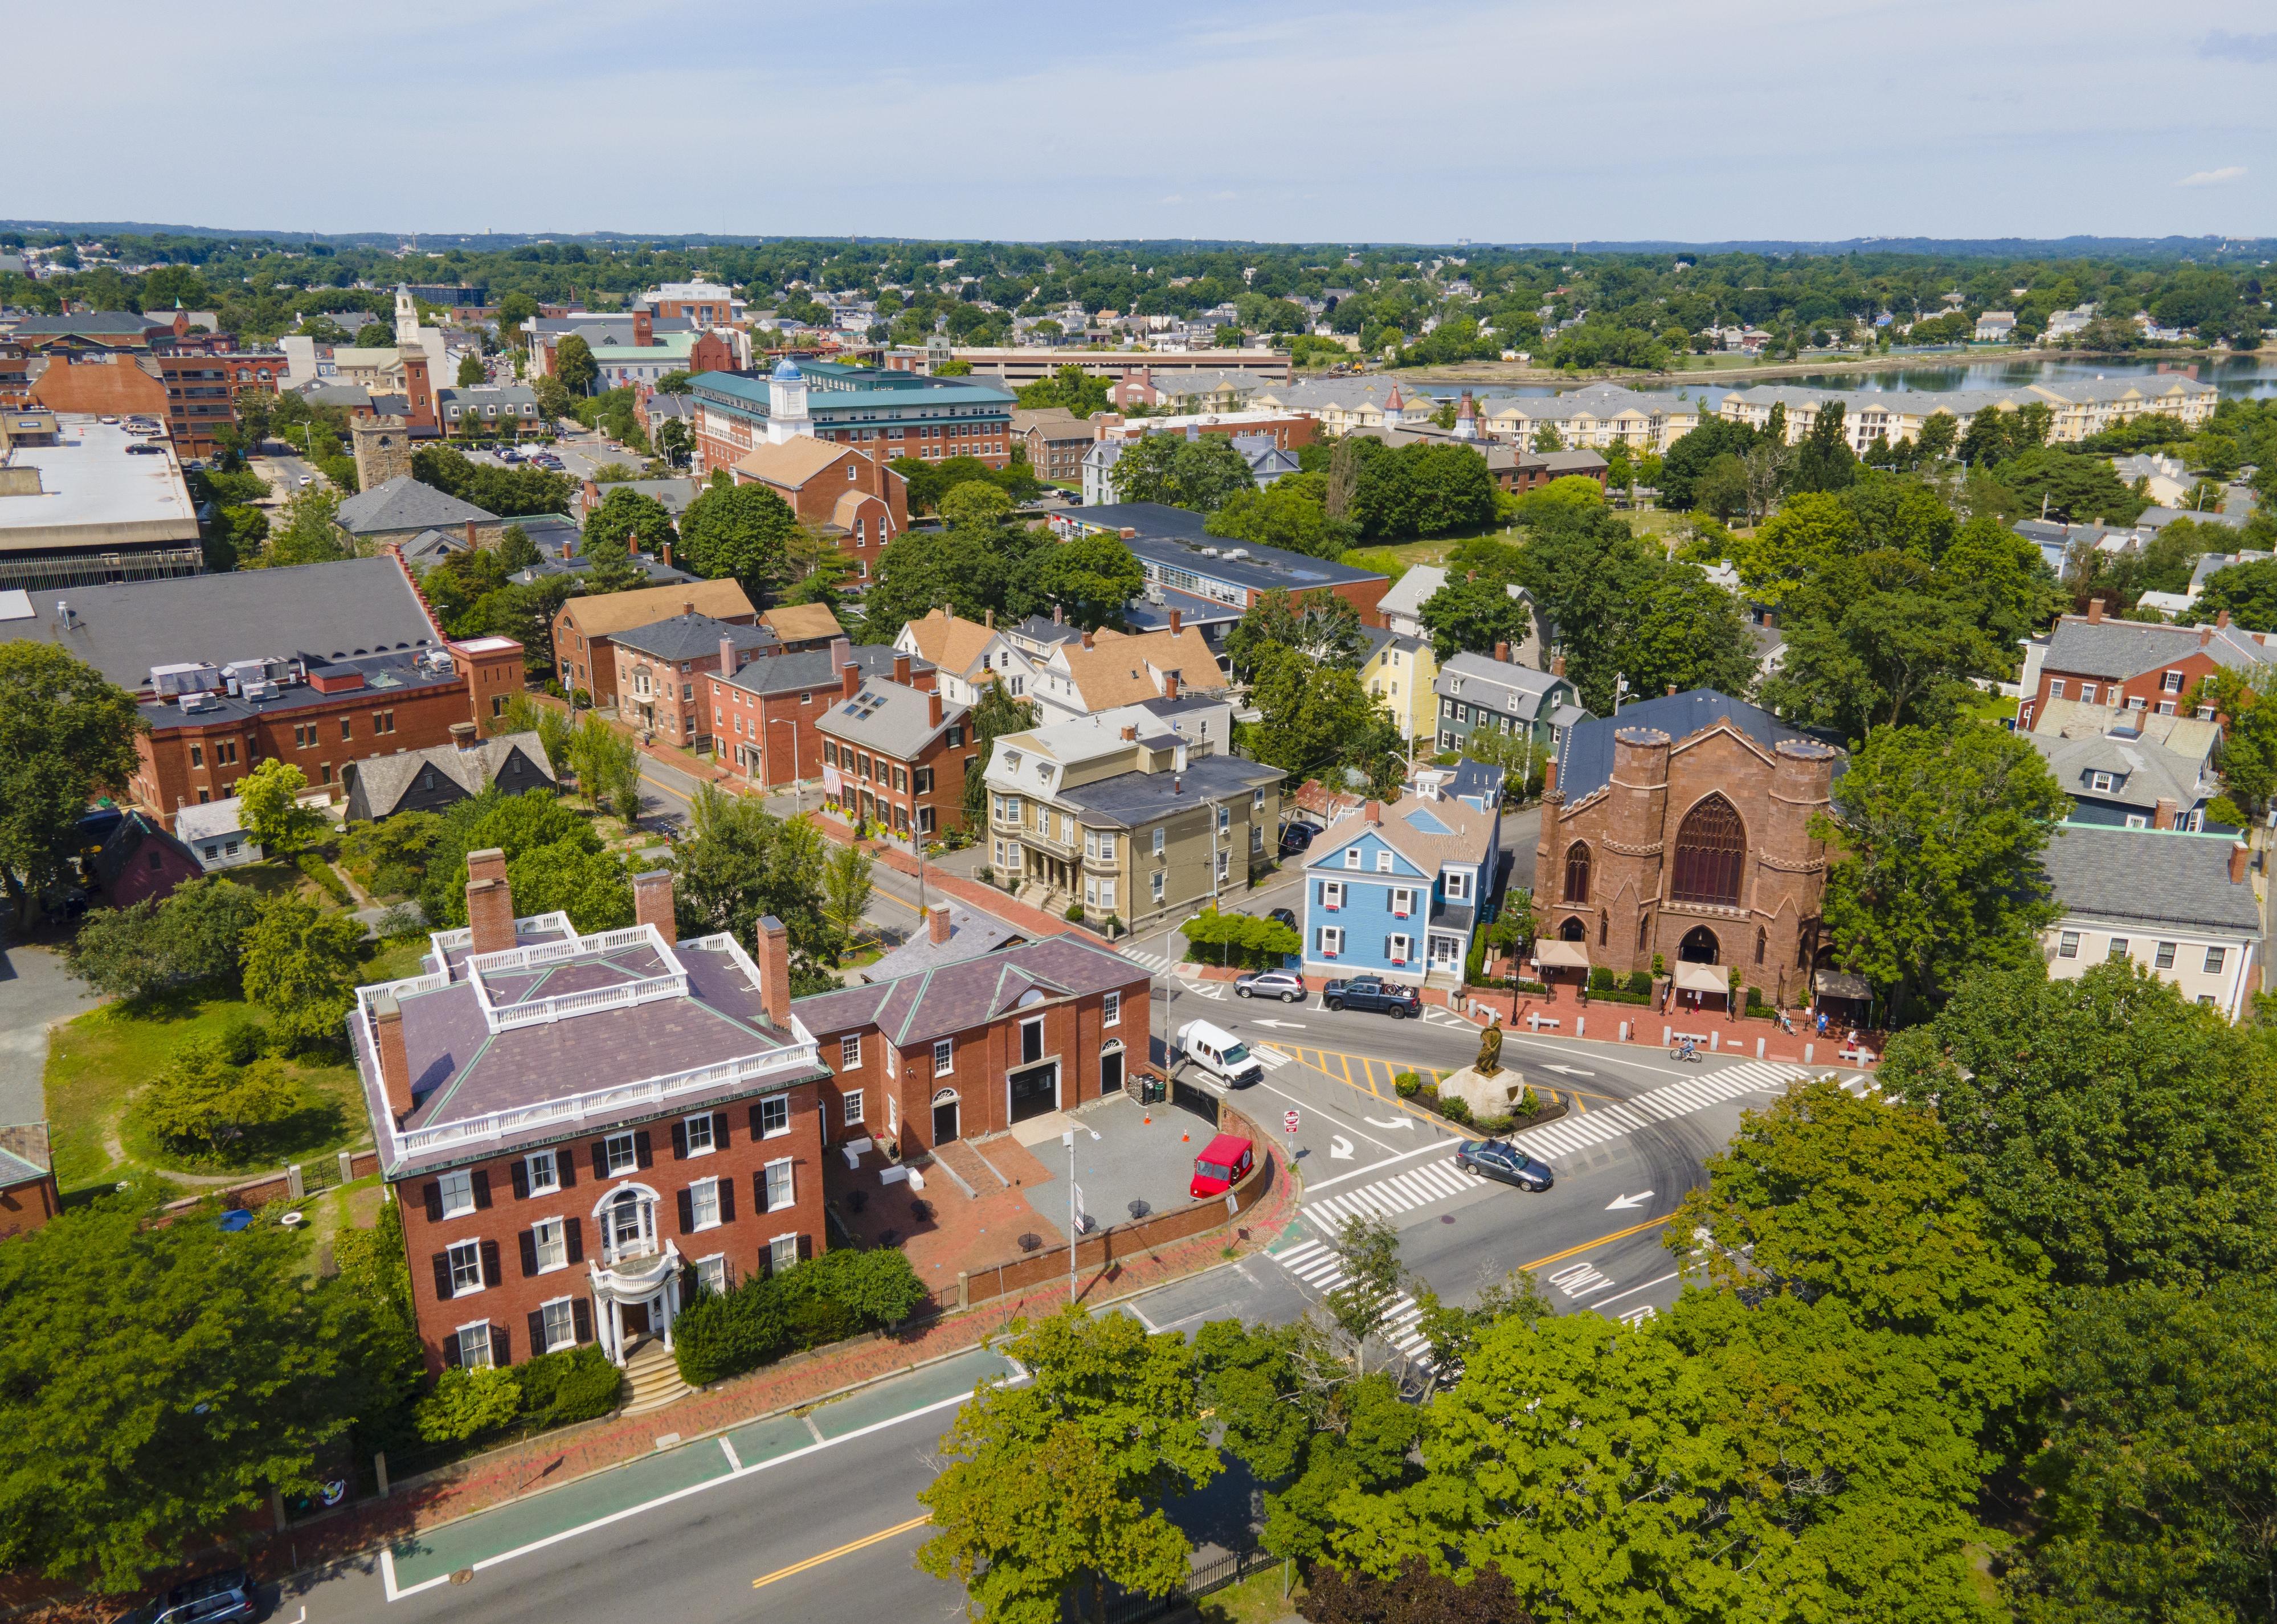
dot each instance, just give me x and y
(1561, 955)
(1703, 979)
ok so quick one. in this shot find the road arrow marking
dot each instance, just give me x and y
(1396, 1122)
(1569, 1071)
(1340, 1148)
(1624, 1202)
(1297, 1026)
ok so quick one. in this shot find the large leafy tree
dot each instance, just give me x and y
(301, 967)
(2158, 1477)
(574, 366)
(1068, 1475)
(628, 520)
(1940, 836)
(1091, 578)
(740, 865)
(2247, 590)
(1691, 454)
(2128, 1133)
(996, 714)
(1824, 461)
(513, 824)
(155, 1381)
(1475, 614)
(1321, 626)
(1423, 488)
(1795, 544)
(1290, 514)
(745, 531)
(970, 571)
(272, 812)
(1685, 632)
(1313, 718)
(1201, 473)
(66, 734)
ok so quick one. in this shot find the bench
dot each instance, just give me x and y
(1700, 1037)
(1539, 1021)
(1856, 1056)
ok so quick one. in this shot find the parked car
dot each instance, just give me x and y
(1224, 1162)
(1500, 1160)
(1284, 916)
(1296, 838)
(1218, 1052)
(1373, 992)
(217, 1598)
(1286, 985)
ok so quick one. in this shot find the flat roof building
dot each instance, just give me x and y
(93, 503)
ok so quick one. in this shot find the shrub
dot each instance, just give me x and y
(985, 873)
(1415, 1593)
(467, 1403)
(310, 863)
(1659, 964)
(1640, 981)
(1755, 1000)
(827, 1300)
(1601, 979)
(574, 1385)
(241, 1041)
(1075, 913)
(1407, 1085)
(202, 1102)
(1528, 1107)
(1453, 1110)
(1494, 1127)
(723, 1335)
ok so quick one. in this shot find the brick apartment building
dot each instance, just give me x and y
(767, 709)
(662, 672)
(894, 754)
(2139, 665)
(1055, 440)
(840, 491)
(318, 665)
(584, 628)
(887, 414)
(970, 1048)
(645, 1117)
(1681, 828)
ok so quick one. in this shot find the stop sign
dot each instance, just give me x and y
(1289, 1122)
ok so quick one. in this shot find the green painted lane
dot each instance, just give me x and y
(524, 1522)
(770, 1440)
(951, 1378)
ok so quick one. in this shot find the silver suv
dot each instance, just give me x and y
(1286, 985)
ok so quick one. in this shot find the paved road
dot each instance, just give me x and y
(36, 992)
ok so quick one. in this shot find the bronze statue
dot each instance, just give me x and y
(1489, 1060)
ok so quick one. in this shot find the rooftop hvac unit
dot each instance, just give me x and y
(260, 691)
(268, 669)
(167, 681)
(199, 701)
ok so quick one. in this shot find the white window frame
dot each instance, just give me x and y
(1403, 901)
(853, 1108)
(774, 1116)
(1400, 947)
(783, 1251)
(488, 1359)
(458, 1188)
(1332, 894)
(2171, 682)
(944, 1056)
(1158, 840)
(569, 1337)
(1384, 862)
(699, 1192)
(1110, 1009)
(2055, 688)
(543, 1246)
(712, 1274)
(474, 1251)
(1224, 867)
(1458, 881)
(2099, 783)
(2163, 959)
(2067, 945)
(2118, 949)
(547, 1160)
(632, 1154)
(690, 1127)
(1107, 845)
(1161, 884)
(1332, 939)
(2215, 958)
(789, 1185)
(850, 1053)
(1352, 856)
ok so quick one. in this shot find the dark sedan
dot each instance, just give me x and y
(1296, 837)
(1499, 1159)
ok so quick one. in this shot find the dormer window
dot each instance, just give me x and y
(2100, 782)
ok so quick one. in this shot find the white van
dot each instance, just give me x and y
(1220, 1054)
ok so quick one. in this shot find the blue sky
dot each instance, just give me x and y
(1518, 121)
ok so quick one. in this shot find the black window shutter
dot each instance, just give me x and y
(640, 1148)
(450, 1349)
(576, 1231)
(727, 1201)
(687, 1212)
(501, 1347)
(481, 1183)
(581, 1319)
(431, 1193)
(491, 1274)
(759, 1190)
(758, 1129)
(443, 1276)
(766, 1265)
(521, 1179)
(537, 1332)
(679, 1140)
(806, 1247)
(720, 1130)
(600, 1158)
(528, 1254)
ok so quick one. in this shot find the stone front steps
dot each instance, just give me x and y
(652, 1379)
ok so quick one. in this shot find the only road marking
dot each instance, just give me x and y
(847, 1549)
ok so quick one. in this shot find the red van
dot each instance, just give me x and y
(1224, 1164)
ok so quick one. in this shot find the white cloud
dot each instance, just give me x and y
(2214, 177)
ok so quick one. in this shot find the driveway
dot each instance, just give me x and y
(36, 992)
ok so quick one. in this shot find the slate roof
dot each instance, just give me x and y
(318, 612)
(2142, 774)
(209, 820)
(938, 1003)
(2157, 518)
(2122, 649)
(1585, 764)
(384, 779)
(1407, 594)
(972, 934)
(1426, 832)
(1171, 538)
(15, 1170)
(889, 719)
(1134, 799)
(404, 503)
(2155, 877)
(2186, 736)
(695, 637)
(108, 324)
(1515, 689)
(817, 668)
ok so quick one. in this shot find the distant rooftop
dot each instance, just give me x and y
(94, 492)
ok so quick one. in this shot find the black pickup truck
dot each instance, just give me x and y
(1369, 992)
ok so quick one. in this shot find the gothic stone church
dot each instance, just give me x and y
(1681, 828)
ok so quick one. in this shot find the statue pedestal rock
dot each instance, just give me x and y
(1495, 1095)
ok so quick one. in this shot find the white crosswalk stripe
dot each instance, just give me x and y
(1271, 1058)
(1422, 1184)
(1317, 1266)
(1159, 962)
(1666, 1103)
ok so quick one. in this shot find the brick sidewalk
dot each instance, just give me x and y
(1603, 1019)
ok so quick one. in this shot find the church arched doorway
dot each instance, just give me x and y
(1700, 946)
(1572, 930)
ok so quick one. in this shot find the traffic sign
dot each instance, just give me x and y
(1289, 1122)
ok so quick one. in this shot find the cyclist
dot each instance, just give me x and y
(1685, 1049)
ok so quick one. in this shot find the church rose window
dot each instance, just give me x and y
(1710, 849)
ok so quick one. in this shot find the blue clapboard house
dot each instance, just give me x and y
(1399, 889)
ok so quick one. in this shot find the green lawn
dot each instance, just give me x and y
(97, 1063)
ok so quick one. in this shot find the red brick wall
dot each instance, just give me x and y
(26, 1206)
(900, 806)
(772, 727)
(500, 1219)
(2149, 687)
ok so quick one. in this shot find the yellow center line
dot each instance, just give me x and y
(1633, 1229)
(845, 1550)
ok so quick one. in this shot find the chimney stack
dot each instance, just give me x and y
(593, 495)
(394, 1059)
(1558, 665)
(937, 922)
(2162, 818)
(490, 901)
(473, 540)
(1176, 618)
(1671, 691)
(727, 655)
(2221, 620)
(932, 707)
(849, 679)
(2206, 636)
(1550, 778)
(1086, 639)
(774, 973)
(688, 609)
(1502, 653)
(2095, 611)
(841, 649)
(1059, 615)
(901, 669)
(1373, 813)
(989, 619)
(1169, 684)
(1130, 733)
(652, 902)
(2240, 856)
(462, 735)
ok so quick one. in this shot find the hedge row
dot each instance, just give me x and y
(829, 1298)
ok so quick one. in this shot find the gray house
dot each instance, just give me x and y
(2126, 781)
(430, 779)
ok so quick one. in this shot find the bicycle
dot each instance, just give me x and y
(1685, 1051)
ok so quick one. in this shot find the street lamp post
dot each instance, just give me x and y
(1074, 1235)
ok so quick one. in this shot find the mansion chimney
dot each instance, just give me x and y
(774, 973)
(937, 925)
(490, 901)
(901, 669)
(849, 679)
(652, 902)
(394, 1059)
(2241, 857)
(727, 655)
(932, 707)
(2094, 611)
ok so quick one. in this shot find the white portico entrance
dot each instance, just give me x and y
(635, 1280)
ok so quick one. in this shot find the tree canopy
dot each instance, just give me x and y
(66, 734)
